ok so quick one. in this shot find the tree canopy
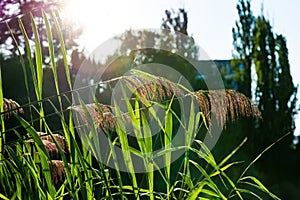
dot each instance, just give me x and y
(171, 46)
(264, 52)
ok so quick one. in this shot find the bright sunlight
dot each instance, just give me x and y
(99, 21)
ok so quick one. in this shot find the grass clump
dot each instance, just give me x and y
(119, 156)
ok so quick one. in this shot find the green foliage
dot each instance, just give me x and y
(178, 22)
(145, 47)
(273, 73)
(243, 45)
(275, 94)
(27, 170)
(256, 44)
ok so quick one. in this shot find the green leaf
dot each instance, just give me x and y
(38, 58)
(4, 197)
(222, 169)
(44, 156)
(260, 186)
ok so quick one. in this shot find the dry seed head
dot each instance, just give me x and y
(51, 149)
(224, 105)
(61, 140)
(10, 106)
(57, 170)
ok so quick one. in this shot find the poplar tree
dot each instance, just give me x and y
(257, 45)
(243, 45)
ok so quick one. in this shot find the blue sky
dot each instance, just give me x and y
(210, 22)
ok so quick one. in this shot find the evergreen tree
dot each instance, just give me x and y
(255, 43)
(286, 91)
(265, 66)
(243, 46)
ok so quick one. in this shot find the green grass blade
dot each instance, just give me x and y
(149, 164)
(29, 56)
(39, 67)
(4, 197)
(51, 53)
(2, 136)
(44, 156)
(38, 58)
(195, 194)
(21, 61)
(260, 186)
(63, 50)
(232, 153)
(209, 180)
(121, 131)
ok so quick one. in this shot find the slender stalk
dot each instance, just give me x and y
(2, 135)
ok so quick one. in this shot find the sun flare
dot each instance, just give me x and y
(97, 18)
(79, 11)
